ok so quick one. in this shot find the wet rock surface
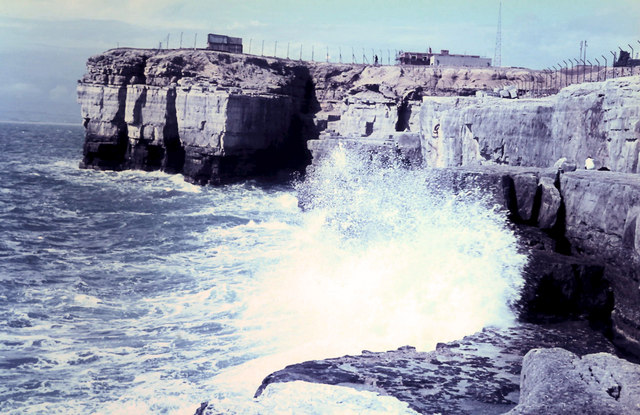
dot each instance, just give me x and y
(580, 236)
(479, 374)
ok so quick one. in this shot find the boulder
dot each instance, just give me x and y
(556, 381)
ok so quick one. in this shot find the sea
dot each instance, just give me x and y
(139, 293)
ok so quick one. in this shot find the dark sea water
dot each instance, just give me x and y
(136, 292)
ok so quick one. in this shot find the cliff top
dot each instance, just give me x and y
(256, 74)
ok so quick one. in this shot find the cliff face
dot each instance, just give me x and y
(598, 120)
(215, 116)
(210, 116)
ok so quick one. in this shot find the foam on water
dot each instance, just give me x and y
(136, 292)
(383, 257)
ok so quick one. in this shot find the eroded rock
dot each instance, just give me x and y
(479, 374)
(557, 381)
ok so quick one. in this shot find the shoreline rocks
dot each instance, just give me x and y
(556, 381)
(479, 374)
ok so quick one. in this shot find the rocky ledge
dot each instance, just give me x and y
(486, 374)
(479, 374)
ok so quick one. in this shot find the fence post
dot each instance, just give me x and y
(571, 62)
(613, 63)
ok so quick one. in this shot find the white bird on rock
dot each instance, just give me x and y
(589, 164)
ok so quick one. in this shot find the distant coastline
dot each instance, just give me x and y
(78, 124)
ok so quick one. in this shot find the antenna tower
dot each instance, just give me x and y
(497, 58)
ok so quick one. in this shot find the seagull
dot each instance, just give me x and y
(589, 164)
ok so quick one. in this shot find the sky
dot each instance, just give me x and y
(44, 44)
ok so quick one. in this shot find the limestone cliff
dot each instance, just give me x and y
(211, 116)
(215, 116)
(599, 120)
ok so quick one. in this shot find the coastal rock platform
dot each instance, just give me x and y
(479, 374)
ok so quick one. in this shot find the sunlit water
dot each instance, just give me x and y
(137, 292)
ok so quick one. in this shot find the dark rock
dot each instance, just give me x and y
(479, 374)
(201, 409)
(559, 287)
(550, 201)
(526, 187)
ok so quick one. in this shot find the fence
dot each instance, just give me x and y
(546, 82)
(574, 71)
(296, 50)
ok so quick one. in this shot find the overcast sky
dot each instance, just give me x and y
(44, 43)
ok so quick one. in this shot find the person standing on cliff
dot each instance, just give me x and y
(375, 60)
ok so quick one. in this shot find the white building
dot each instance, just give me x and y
(444, 58)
